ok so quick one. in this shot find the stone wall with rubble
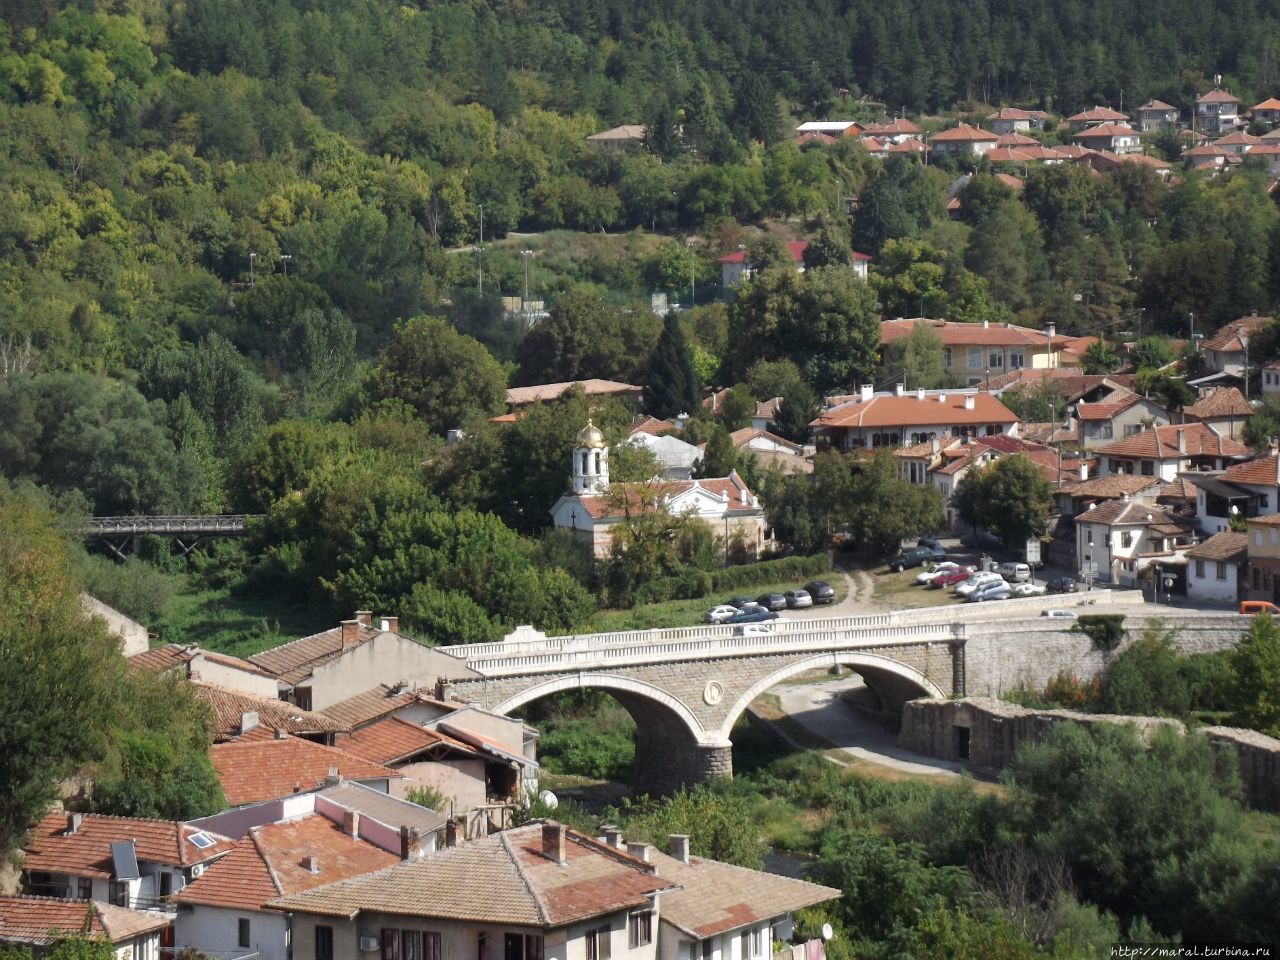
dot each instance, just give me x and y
(984, 733)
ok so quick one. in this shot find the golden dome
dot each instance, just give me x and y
(590, 436)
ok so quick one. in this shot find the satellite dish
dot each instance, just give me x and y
(827, 932)
(549, 799)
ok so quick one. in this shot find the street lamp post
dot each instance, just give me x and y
(284, 262)
(839, 195)
(693, 282)
(1245, 341)
(252, 257)
(525, 254)
(480, 253)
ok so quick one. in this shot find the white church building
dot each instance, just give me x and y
(594, 507)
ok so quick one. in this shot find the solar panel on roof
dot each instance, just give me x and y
(124, 860)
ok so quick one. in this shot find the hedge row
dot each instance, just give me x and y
(693, 584)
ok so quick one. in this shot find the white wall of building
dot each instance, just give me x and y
(1212, 581)
(216, 931)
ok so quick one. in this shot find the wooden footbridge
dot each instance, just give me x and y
(119, 534)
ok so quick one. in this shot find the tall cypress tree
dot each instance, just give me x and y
(673, 381)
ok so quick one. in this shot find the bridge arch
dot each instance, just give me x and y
(612, 683)
(876, 669)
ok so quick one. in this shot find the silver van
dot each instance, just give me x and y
(1015, 572)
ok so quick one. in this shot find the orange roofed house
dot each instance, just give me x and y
(980, 351)
(40, 922)
(593, 508)
(735, 269)
(869, 420)
(544, 891)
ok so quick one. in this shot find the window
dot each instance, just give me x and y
(118, 893)
(752, 942)
(1148, 468)
(519, 947)
(1266, 579)
(946, 357)
(1257, 576)
(1200, 569)
(411, 944)
(390, 944)
(975, 358)
(1263, 500)
(598, 944)
(166, 883)
(1221, 571)
(201, 840)
(1126, 539)
(1274, 536)
(995, 360)
(1091, 536)
(302, 697)
(1257, 538)
(640, 928)
(84, 888)
(1016, 360)
(324, 942)
(1131, 429)
(706, 950)
(242, 931)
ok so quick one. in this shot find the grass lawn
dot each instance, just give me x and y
(241, 626)
(900, 591)
(687, 613)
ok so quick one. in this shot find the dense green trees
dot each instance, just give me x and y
(671, 383)
(1009, 497)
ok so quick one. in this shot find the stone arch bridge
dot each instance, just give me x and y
(686, 687)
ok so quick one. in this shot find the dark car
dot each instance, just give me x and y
(981, 541)
(772, 601)
(934, 545)
(740, 602)
(753, 616)
(1061, 585)
(913, 557)
(821, 591)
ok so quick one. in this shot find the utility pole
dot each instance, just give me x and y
(525, 254)
(480, 253)
(1245, 341)
(693, 282)
(252, 257)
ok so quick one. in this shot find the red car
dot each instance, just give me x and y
(959, 575)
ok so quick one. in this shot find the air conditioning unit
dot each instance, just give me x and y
(197, 871)
(369, 943)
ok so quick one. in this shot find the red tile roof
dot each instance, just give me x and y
(381, 701)
(1271, 103)
(1239, 139)
(230, 706)
(623, 497)
(271, 861)
(1221, 546)
(1265, 472)
(1227, 337)
(392, 739)
(1112, 487)
(1114, 513)
(1217, 96)
(956, 334)
(1107, 410)
(908, 411)
(906, 146)
(814, 137)
(1097, 115)
(1161, 443)
(41, 921)
(252, 771)
(592, 387)
(1156, 105)
(173, 655)
(1016, 140)
(1009, 113)
(1106, 131)
(87, 853)
(294, 661)
(1222, 402)
(896, 127)
(504, 878)
(795, 248)
(964, 133)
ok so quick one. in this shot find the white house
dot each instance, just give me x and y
(735, 269)
(1123, 537)
(1214, 568)
(1116, 137)
(963, 140)
(1164, 452)
(675, 457)
(869, 420)
(1217, 112)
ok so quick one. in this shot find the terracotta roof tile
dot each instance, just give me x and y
(503, 878)
(715, 898)
(640, 496)
(1097, 115)
(229, 707)
(1227, 337)
(1217, 96)
(907, 411)
(1271, 103)
(1223, 402)
(1161, 443)
(294, 661)
(1114, 513)
(955, 334)
(1105, 131)
(1270, 520)
(44, 920)
(652, 425)
(173, 655)
(1221, 546)
(1112, 488)
(252, 771)
(1156, 105)
(1264, 471)
(381, 701)
(270, 862)
(964, 133)
(391, 739)
(86, 853)
(1105, 411)
(594, 387)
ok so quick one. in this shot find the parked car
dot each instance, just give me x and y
(1061, 585)
(740, 602)
(1015, 572)
(911, 557)
(935, 545)
(772, 601)
(753, 616)
(952, 577)
(721, 613)
(981, 541)
(1059, 614)
(1028, 589)
(977, 580)
(752, 629)
(937, 570)
(798, 599)
(995, 590)
(821, 591)
(1250, 607)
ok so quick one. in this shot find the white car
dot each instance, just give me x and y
(946, 566)
(721, 613)
(977, 580)
(1028, 589)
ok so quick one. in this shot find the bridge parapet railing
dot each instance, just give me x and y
(500, 662)
(220, 523)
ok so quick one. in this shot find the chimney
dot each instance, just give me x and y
(935, 445)
(390, 624)
(444, 689)
(920, 393)
(942, 398)
(1084, 469)
(410, 843)
(350, 633)
(553, 842)
(970, 401)
(282, 734)
(867, 391)
(365, 617)
(451, 832)
(73, 822)
(639, 850)
(986, 324)
(1182, 441)
(678, 846)
(332, 778)
(899, 389)
(248, 720)
(612, 836)
(351, 823)
(311, 864)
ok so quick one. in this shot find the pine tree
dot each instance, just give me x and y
(718, 457)
(798, 409)
(672, 386)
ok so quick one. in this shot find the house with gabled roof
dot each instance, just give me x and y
(1223, 409)
(1123, 538)
(1224, 351)
(1239, 143)
(736, 269)
(1095, 116)
(897, 130)
(191, 662)
(1208, 157)
(979, 351)
(1268, 112)
(1260, 479)
(1116, 137)
(1165, 452)
(1216, 568)
(1122, 414)
(831, 128)
(242, 716)
(962, 140)
(253, 771)
(126, 861)
(871, 420)
(1156, 115)
(628, 136)
(223, 912)
(1217, 112)
(40, 923)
